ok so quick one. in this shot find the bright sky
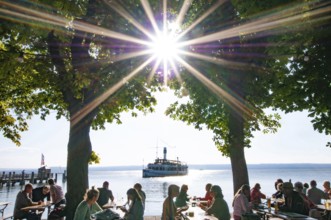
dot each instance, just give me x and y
(134, 142)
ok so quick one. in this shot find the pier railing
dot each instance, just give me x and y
(11, 178)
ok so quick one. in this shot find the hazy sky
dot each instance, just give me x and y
(135, 142)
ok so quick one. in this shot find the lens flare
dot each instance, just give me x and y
(165, 47)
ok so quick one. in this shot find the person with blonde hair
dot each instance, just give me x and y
(327, 188)
(142, 194)
(88, 206)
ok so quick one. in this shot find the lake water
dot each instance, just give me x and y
(123, 178)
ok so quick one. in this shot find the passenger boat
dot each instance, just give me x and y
(164, 167)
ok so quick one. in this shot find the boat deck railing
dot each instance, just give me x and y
(163, 161)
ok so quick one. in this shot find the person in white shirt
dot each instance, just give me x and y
(56, 193)
(241, 204)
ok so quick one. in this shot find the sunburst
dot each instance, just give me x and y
(164, 44)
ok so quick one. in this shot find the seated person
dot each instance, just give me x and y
(182, 198)
(241, 204)
(298, 186)
(142, 194)
(327, 188)
(57, 194)
(305, 188)
(277, 182)
(105, 194)
(315, 194)
(279, 193)
(136, 208)
(208, 196)
(23, 200)
(219, 208)
(40, 193)
(169, 209)
(88, 206)
(256, 194)
(294, 202)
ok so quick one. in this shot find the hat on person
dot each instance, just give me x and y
(287, 185)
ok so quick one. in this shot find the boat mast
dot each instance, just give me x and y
(164, 153)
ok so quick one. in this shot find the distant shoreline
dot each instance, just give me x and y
(191, 166)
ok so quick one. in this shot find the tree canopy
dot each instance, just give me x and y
(89, 60)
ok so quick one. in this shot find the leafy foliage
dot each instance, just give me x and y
(34, 83)
(300, 58)
(251, 86)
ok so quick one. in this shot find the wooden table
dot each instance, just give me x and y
(325, 209)
(38, 209)
(3, 206)
(198, 213)
(265, 212)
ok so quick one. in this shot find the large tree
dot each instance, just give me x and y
(259, 51)
(62, 56)
(235, 87)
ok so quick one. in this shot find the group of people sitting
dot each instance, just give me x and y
(30, 196)
(95, 199)
(289, 197)
(178, 199)
(295, 198)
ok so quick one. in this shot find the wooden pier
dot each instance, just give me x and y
(11, 178)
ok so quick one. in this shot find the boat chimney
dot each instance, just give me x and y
(164, 153)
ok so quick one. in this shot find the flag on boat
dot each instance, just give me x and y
(42, 160)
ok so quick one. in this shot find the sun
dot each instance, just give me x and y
(165, 47)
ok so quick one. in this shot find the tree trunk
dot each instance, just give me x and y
(79, 152)
(236, 135)
(237, 154)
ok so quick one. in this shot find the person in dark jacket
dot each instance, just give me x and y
(105, 194)
(294, 202)
(40, 193)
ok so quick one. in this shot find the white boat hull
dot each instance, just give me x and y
(163, 173)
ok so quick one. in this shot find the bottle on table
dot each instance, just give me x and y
(269, 203)
(276, 206)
